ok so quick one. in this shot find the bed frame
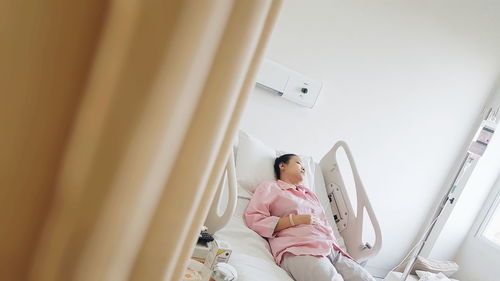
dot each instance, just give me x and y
(349, 223)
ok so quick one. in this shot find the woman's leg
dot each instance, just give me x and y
(349, 269)
(309, 268)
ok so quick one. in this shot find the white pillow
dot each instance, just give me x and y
(254, 162)
(429, 276)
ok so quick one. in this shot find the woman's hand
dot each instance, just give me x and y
(302, 219)
(305, 219)
(285, 222)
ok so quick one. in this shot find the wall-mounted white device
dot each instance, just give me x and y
(288, 83)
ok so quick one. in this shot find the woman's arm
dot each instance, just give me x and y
(285, 222)
(257, 215)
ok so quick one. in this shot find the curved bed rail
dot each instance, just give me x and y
(350, 225)
(214, 220)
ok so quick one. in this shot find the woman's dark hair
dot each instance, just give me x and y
(282, 159)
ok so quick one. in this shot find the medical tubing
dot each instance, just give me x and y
(291, 220)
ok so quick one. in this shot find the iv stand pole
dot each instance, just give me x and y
(468, 159)
(442, 204)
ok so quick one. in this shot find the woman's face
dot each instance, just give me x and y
(293, 171)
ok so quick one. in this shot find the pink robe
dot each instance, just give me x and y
(275, 199)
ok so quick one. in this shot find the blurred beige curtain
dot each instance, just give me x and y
(117, 118)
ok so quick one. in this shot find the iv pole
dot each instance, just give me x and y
(441, 206)
(475, 151)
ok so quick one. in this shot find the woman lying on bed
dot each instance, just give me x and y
(290, 216)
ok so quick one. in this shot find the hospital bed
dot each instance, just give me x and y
(250, 163)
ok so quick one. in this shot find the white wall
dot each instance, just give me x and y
(404, 82)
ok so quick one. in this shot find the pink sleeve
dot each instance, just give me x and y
(257, 215)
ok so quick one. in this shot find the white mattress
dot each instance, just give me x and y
(251, 255)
